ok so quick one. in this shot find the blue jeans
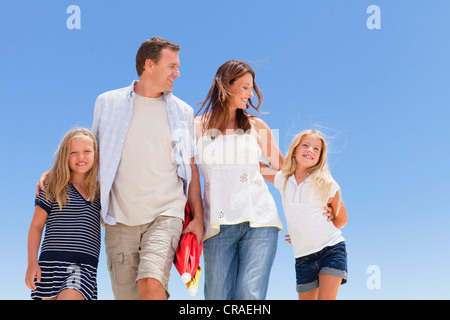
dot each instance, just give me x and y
(238, 261)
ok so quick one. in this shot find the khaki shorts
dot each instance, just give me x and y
(137, 252)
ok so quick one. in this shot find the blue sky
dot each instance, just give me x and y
(381, 95)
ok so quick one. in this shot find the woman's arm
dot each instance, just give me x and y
(269, 146)
(267, 172)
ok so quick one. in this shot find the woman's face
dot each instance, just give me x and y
(241, 90)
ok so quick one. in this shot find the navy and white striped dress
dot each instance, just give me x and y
(71, 247)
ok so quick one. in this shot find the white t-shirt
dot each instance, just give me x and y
(146, 183)
(308, 228)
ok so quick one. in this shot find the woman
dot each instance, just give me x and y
(240, 216)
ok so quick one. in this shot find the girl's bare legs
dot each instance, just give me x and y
(68, 294)
(328, 289)
(310, 295)
(328, 286)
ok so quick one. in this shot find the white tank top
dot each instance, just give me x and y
(234, 189)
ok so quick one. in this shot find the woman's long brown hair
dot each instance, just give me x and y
(216, 105)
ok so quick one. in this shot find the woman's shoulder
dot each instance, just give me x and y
(260, 128)
(198, 119)
(198, 126)
(258, 123)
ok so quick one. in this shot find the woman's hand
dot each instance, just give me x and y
(328, 210)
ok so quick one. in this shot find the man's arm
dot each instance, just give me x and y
(195, 203)
(41, 183)
(96, 117)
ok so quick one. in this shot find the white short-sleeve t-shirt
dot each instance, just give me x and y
(146, 183)
(308, 228)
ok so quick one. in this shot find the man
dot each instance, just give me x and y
(147, 172)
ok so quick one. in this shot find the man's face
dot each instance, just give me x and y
(166, 70)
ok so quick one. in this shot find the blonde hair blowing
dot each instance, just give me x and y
(58, 182)
(319, 173)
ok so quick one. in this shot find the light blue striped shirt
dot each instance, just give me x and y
(112, 118)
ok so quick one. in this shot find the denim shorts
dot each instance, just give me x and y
(330, 260)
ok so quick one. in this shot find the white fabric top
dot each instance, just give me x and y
(146, 182)
(234, 189)
(308, 228)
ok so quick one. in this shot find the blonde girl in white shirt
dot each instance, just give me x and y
(306, 185)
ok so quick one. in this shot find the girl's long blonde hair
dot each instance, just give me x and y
(319, 173)
(57, 189)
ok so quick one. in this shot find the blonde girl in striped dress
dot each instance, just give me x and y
(69, 209)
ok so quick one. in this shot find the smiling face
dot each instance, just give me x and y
(81, 155)
(307, 154)
(164, 73)
(241, 90)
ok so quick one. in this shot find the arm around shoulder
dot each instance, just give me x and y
(267, 172)
(96, 118)
(41, 183)
(268, 144)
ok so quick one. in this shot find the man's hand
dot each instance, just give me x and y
(40, 186)
(196, 227)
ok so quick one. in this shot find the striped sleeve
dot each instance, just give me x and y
(43, 203)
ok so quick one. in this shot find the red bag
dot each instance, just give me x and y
(187, 257)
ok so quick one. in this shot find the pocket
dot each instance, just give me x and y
(112, 236)
(123, 269)
(109, 264)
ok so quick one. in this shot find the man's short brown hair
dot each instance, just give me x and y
(151, 49)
